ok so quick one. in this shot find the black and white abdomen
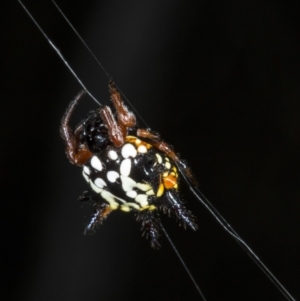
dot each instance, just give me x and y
(126, 177)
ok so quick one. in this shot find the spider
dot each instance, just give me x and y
(127, 168)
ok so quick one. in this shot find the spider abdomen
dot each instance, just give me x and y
(131, 177)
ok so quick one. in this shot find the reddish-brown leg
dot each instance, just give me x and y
(125, 117)
(77, 153)
(168, 150)
(117, 130)
(146, 133)
(116, 134)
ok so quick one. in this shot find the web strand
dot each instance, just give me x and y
(222, 221)
(183, 263)
(59, 54)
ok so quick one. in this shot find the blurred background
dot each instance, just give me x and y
(220, 80)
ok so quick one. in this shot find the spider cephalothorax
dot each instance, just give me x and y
(128, 168)
(94, 133)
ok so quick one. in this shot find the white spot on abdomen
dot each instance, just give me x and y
(96, 163)
(168, 165)
(142, 149)
(142, 199)
(112, 176)
(131, 194)
(86, 170)
(150, 192)
(100, 182)
(110, 199)
(143, 186)
(128, 150)
(96, 188)
(112, 155)
(125, 167)
(126, 207)
(159, 158)
(127, 183)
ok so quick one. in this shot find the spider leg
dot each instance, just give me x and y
(115, 132)
(101, 212)
(175, 206)
(168, 150)
(78, 129)
(77, 153)
(147, 133)
(150, 223)
(125, 117)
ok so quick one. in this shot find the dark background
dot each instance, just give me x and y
(220, 80)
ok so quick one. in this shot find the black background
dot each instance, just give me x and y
(220, 80)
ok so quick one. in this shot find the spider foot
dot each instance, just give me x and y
(175, 207)
(150, 227)
(125, 117)
(149, 134)
(101, 212)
